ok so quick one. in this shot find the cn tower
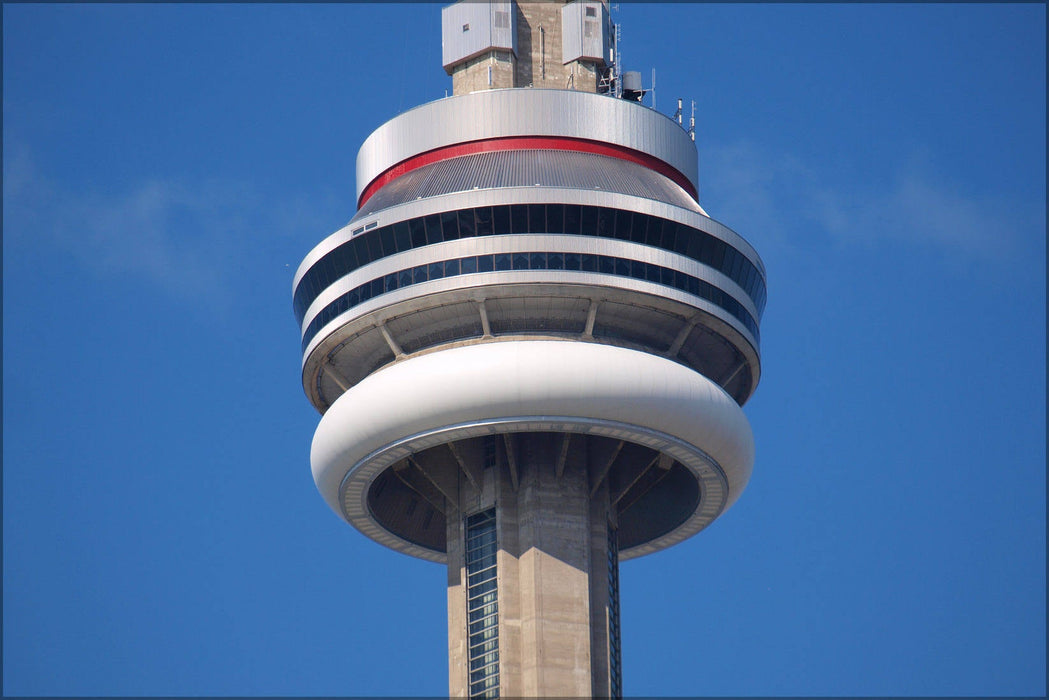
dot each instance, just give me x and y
(530, 346)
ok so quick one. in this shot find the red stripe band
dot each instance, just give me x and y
(519, 143)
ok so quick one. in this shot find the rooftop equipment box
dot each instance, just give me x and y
(584, 31)
(469, 29)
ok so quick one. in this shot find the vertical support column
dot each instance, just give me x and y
(470, 500)
(600, 632)
(553, 575)
(458, 686)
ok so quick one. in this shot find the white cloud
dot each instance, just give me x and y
(191, 241)
(772, 198)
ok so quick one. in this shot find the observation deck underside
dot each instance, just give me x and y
(651, 492)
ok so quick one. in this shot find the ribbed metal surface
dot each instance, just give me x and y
(526, 112)
(528, 168)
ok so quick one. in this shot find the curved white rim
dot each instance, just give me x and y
(531, 385)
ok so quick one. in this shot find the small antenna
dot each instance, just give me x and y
(677, 114)
(692, 122)
(619, 61)
(653, 88)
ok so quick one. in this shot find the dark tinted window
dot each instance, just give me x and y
(484, 221)
(386, 240)
(537, 218)
(519, 218)
(588, 221)
(433, 228)
(555, 218)
(572, 218)
(717, 258)
(360, 251)
(467, 228)
(654, 230)
(374, 244)
(638, 226)
(402, 237)
(450, 225)
(501, 216)
(606, 222)
(623, 225)
(418, 231)
(701, 248)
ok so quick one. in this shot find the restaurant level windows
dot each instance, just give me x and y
(665, 234)
(605, 264)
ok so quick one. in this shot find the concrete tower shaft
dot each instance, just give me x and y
(530, 347)
(492, 45)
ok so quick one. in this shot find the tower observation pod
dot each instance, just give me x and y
(530, 346)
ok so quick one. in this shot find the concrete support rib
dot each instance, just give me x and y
(336, 377)
(591, 318)
(562, 456)
(682, 336)
(467, 456)
(394, 347)
(602, 457)
(485, 326)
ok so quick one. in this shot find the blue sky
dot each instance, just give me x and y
(166, 167)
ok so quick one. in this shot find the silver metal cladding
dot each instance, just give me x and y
(519, 112)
